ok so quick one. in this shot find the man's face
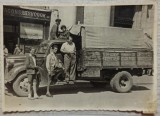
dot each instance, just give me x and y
(58, 23)
(70, 40)
(53, 50)
(32, 51)
(63, 29)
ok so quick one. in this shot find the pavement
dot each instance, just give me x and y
(82, 96)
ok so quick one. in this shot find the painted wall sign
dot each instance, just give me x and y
(19, 12)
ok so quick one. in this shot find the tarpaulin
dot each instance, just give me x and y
(112, 37)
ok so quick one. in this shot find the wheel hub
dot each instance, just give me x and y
(123, 82)
(24, 85)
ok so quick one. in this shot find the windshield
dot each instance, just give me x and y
(42, 49)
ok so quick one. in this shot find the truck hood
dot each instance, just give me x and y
(16, 59)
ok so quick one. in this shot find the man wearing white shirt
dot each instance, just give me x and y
(54, 67)
(69, 50)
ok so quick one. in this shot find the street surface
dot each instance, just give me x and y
(83, 96)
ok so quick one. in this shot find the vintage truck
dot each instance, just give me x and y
(104, 54)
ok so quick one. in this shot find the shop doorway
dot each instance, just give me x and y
(11, 35)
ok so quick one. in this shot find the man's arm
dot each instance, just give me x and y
(48, 64)
(53, 31)
(63, 48)
(15, 51)
(28, 63)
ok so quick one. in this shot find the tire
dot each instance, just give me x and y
(9, 86)
(122, 82)
(111, 84)
(98, 84)
(20, 85)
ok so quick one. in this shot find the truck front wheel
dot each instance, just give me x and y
(122, 82)
(20, 85)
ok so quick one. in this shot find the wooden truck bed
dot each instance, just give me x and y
(113, 47)
(96, 60)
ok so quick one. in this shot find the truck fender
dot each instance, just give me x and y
(12, 74)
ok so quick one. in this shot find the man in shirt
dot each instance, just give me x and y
(5, 53)
(54, 67)
(65, 33)
(17, 50)
(32, 69)
(54, 31)
(69, 50)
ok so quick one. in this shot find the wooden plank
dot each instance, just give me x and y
(145, 59)
(111, 59)
(128, 59)
(92, 58)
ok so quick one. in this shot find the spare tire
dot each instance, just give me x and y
(122, 82)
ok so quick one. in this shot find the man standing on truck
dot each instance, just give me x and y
(54, 31)
(65, 33)
(54, 67)
(69, 50)
(32, 70)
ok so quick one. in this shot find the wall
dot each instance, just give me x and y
(144, 19)
(97, 15)
(67, 14)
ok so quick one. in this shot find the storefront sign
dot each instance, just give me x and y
(19, 12)
(31, 31)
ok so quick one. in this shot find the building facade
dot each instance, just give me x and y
(24, 26)
(28, 26)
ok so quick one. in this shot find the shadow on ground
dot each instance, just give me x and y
(83, 87)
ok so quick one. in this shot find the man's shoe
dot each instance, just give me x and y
(49, 95)
(36, 97)
(71, 82)
(67, 80)
(30, 97)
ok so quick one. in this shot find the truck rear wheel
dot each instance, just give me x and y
(122, 82)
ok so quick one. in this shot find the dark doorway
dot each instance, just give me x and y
(11, 35)
(123, 16)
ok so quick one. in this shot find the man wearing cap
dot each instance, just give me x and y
(54, 31)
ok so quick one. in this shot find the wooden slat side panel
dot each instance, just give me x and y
(145, 59)
(111, 59)
(128, 59)
(92, 58)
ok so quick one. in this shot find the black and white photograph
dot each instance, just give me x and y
(60, 58)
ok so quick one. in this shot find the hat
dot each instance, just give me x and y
(63, 26)
(58, 20)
